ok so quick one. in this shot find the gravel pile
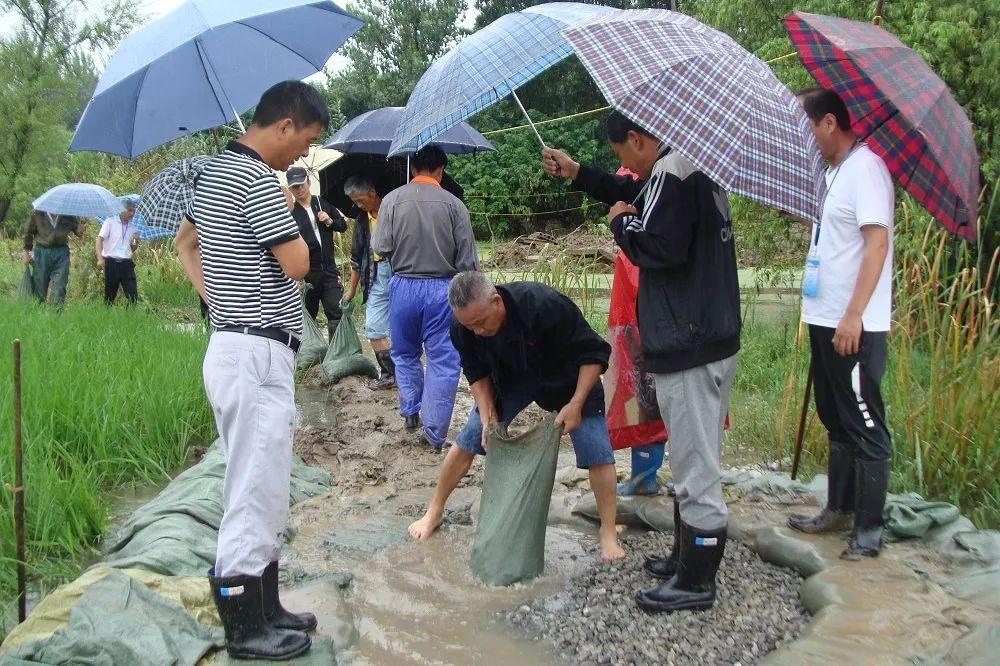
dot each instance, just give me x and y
(595, 618)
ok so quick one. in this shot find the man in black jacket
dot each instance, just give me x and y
(689, 317)
(373, 273)
(317, 220)
(520, 343)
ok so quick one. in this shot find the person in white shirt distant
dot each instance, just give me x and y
(847, 303)
(116, 242)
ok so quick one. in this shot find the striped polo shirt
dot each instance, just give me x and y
(240, 212)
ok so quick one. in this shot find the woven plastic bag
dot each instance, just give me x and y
(514, 510)
(313, 346)
(344, 357)
(26, 287)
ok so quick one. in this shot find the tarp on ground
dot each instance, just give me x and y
(513, 515)
(175, 534)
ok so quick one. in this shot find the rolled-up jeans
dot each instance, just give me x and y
(250, 386)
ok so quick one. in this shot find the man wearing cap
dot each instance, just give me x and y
(46, 242)
(116, 241)
(317, 220)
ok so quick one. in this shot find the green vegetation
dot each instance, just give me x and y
(112, 398)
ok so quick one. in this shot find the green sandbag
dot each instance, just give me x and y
(26, 287)
(344, 357)
(313, 346)
(520, 473)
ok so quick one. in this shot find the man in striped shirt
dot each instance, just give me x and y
(241, 249)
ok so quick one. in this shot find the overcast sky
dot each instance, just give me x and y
(151, 9)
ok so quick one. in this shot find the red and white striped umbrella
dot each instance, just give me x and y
(706, 96)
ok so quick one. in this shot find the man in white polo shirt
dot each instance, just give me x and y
(116, 241)
(847, 303)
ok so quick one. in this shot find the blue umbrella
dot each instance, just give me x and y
(79, 200)
(372, 133)
(197, 66)
(487, 66)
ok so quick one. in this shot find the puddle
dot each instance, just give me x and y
(313, 408)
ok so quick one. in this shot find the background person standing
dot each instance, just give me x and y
(116, 243)
(373, 273)
(426, 233)
(46, 243)
(317, 221)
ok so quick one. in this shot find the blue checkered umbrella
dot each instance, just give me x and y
(487, 66)
(167, 197)
(79, 200)
(700, 92)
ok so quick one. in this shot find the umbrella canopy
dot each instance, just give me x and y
(79, 200)
(197, 66)
(167, 196)
(387, 175)
(703, 94)
(372, 133)
(318, 159)
(903, 110)
(487, 66)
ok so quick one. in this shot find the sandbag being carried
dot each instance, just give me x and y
(344, 357)
(313, 346)
(510, 535)
(26, 287)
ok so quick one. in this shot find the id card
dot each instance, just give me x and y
(810, 277)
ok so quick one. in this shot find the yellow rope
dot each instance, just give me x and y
(544, 212)
(546, 122)
(522, 196)
(787, 55)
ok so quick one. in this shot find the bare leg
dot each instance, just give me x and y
(603, 479)
(454, 468)
(382, 344)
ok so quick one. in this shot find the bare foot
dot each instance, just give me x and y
(422, 529)
(610, 550)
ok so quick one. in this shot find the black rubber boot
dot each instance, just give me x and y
(387, 376)
(412, 421)
(693, 586)
(836, 515)
(239, 601)
(274, 611)
(665, 567)
(871, 483)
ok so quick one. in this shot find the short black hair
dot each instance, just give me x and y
(617, 127)
(292, 99)
(428, 159)
(817, 102)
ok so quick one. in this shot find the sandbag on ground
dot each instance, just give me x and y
(118, 617)
(313, 346)
(344, 357)
(513, 514)
(175, 534)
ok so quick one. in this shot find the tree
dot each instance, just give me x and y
(401, 38)
(47, 75)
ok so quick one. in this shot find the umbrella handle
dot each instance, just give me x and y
(533, 128)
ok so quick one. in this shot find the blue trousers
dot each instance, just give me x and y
(420, 320)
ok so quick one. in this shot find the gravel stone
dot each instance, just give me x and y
(595, 619)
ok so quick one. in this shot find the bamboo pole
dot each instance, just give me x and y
(800, 434)
(22, 597)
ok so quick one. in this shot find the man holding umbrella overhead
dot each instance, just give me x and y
(847, 303)
(243, 251)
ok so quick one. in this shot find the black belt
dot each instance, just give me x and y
(277, 334)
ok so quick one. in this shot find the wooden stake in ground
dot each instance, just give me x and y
(22, 597)
(800, 435)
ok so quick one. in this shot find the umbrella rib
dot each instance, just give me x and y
(311, 63)
(135, 110)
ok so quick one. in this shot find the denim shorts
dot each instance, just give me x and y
(377, 307)
(590, 440)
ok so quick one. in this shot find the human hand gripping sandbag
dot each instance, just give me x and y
(510, 535)
(313, 345)
(344, 357)
(25, 288)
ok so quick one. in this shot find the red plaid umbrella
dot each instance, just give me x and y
(901, 108)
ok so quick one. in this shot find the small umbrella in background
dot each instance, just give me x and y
(372, 133)
(901, 108)
(79, 200)
(706, 96)
(318, 159)
(201, 65)
(167, 196)
(487, 66)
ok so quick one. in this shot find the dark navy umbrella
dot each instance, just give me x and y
(203, 64)
(372, 133)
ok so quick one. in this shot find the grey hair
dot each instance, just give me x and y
(357, 186)
(468, 288)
